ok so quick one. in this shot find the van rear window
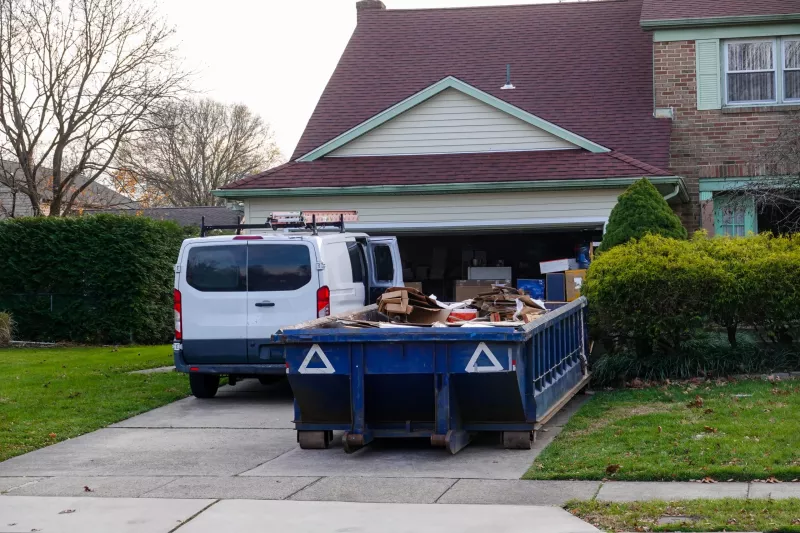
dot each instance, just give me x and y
(278, 267)
(217, 268)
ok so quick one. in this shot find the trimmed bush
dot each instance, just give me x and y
(655, 301)
(651, 294)
(641, 210)
(6, 329)
(96, 279)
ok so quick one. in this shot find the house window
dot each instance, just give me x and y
(734, 216)
(763, 71)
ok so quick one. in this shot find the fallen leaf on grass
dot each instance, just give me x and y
(796, 522)
(659, 429)
(708, 480)
(709, 429)
(696, 403)
(612, 469)
(773, 479)
(52, 435)
(708, 411)
(87, 489)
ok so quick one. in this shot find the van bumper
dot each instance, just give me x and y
(258, 369)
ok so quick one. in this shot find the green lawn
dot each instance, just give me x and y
(694, 515)
(727, 431)
(49, 395)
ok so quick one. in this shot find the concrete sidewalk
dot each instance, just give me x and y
(81, 515)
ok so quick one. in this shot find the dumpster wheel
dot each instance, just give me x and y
(517, 440)
(314, 440)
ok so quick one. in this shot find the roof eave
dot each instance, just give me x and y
(454, 188)
(717, 21)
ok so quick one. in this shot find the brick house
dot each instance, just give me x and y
(463, 130)
(728, 72)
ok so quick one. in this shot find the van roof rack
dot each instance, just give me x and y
(297, 223)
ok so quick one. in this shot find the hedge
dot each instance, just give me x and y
(651, 296)
(97, 279)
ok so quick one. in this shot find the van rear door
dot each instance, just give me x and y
(385, 267)
(213, 286)
(283, 281)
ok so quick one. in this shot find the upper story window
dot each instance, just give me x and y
(762, 71)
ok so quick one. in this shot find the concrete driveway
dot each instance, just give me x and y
(241, 445)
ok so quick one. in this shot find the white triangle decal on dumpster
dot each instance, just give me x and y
(472, 366)
(316, 350)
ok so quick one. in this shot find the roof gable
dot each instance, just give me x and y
(492, 124)
(585, 66)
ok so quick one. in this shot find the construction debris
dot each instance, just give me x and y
(506, 304)
(408, 305)
(501, 307)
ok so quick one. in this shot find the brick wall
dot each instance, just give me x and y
(706, 144)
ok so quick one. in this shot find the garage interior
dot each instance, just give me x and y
(437, 261)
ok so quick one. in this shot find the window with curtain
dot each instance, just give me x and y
(763, 71)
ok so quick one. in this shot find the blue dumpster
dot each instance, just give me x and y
(445, 384)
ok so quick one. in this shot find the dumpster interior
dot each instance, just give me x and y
(435, 263)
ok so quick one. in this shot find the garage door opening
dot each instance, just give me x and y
(436, 262)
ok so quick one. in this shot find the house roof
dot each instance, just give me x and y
(95, 195)
(687, 12)
(184, 216)
(585, 67)
(451, 168)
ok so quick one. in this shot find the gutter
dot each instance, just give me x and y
(717, 21)
(456, 188)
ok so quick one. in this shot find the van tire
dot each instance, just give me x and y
(204, 385)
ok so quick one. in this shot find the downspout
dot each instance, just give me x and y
(674, 193)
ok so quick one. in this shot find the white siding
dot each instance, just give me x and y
(454, 211)
(449, 123)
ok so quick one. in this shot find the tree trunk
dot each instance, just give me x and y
(732, 335)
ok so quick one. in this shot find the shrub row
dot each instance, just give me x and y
(650, 296)
(96, 279)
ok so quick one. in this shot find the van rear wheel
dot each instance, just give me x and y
(204, 385)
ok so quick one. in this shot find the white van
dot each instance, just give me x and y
(232, 293)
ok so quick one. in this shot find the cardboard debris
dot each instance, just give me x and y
(506, 304)
(408, 305)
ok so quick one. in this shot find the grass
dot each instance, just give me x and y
(692, 515)
(49, 395)
(725, 431)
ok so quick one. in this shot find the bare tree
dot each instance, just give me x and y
(77, 77)
(198, 146)
(776, 191)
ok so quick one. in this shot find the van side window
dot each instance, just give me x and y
(356, 261)
(217, 268)
(384, 265)
(278, 267)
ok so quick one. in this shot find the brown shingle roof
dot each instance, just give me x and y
(452, 168)
(676, 10)
(584, 66)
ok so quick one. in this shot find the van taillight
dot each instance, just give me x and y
(178, 315)
(323, 302)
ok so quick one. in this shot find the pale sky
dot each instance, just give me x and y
(275, 56)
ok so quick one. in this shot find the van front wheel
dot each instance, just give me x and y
(204, 385)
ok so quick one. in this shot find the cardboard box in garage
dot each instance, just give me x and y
(575, 280)
(468, 289)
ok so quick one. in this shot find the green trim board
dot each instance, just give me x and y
(727, 32)
(450, 82)
(730, 184)
(453, 188)
(718, 21)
